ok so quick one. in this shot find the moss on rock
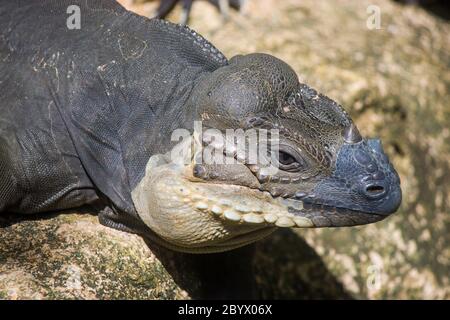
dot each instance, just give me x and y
(71, 256)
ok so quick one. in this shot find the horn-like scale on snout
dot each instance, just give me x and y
(351, 134)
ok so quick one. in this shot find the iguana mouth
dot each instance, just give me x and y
(249, 206)
(262, 208)
(329, 216)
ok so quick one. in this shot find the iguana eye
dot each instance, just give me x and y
(285, 158)
(288, 162)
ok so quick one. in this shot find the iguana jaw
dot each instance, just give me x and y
(244, 205)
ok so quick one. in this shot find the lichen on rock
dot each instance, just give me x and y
(72, 256)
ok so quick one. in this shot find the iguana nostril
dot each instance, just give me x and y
(375, 191)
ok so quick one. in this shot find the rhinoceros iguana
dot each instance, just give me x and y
(87, 112)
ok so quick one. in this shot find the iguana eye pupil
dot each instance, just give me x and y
(289, 162)
(285, 158)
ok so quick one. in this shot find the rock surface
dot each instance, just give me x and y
(394, 81)
(71, 256)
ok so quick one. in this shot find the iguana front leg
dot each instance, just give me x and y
(9, 192)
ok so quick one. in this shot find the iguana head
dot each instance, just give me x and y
(326, 174)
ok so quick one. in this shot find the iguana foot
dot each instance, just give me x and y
(167, 6)
(113, 219)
